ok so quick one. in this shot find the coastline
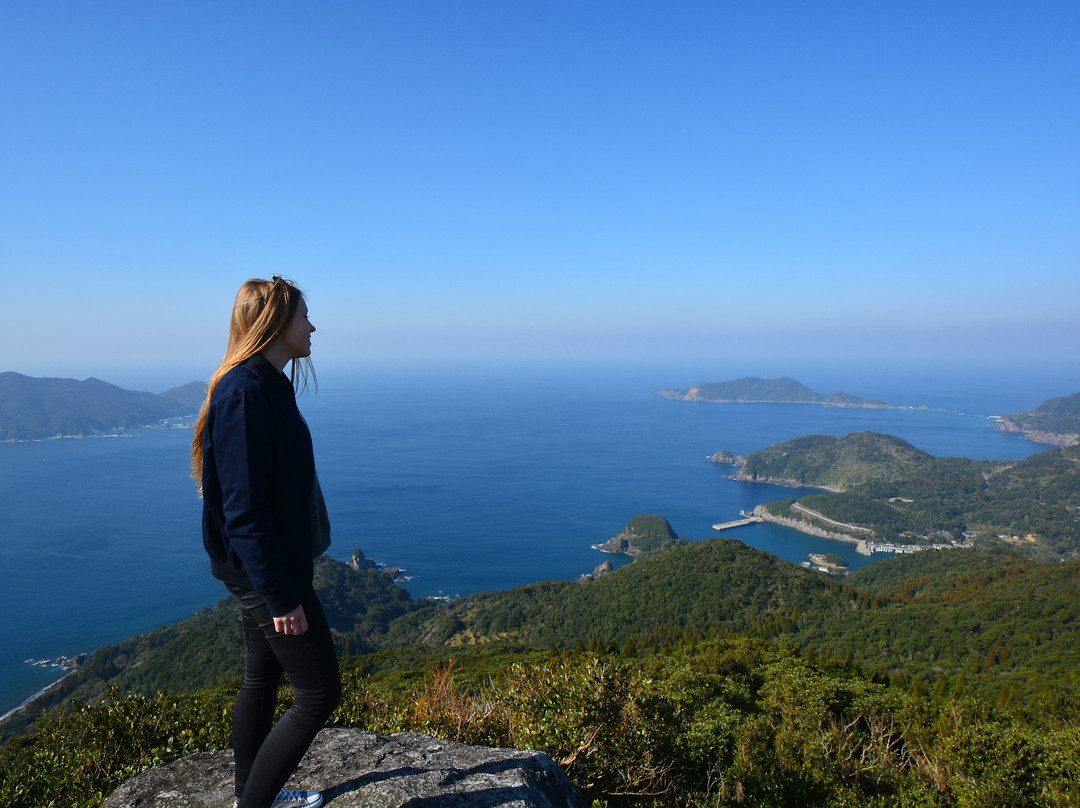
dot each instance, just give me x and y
(763, 515)
(742, 477)
(410, 475)
(689, 395)
(117, 432)
(29, 701)
(864, 547)
(1037, 436)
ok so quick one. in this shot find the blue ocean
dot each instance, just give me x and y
(469, 478)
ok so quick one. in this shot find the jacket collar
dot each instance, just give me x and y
(261, 366)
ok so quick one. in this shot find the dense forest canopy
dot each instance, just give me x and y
(710, 673)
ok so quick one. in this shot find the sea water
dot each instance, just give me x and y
(467, 478)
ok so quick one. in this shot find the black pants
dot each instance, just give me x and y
(268, 754)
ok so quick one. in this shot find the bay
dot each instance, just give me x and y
(470, 478)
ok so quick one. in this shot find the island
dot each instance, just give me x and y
(360, 562)
(645, 534)
(751, 389)
(1055, 422)
(827, 562)
(885, 495)
(34, 408)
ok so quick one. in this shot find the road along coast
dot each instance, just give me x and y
(863, 546)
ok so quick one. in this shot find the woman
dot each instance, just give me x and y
(263, 524)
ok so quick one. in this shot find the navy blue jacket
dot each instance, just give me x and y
(258, 470)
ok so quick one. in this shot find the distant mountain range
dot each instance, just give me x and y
(753, 389)
(34, 408)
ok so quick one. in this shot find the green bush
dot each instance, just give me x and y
(720, 723)
(77, 756)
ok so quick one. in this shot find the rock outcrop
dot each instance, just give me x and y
(604, 569)
(1038, 436)
(724, 458)
(616, 544)
(353, 768)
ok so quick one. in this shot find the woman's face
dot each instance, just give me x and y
(295, 338)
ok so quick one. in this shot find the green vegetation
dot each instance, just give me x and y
(704, 673)
(931, 573)
(904, 495)
(989, 623)
(700, 588)
(645, 534)
(752, 388)
(931, 616)
(828, 462)
(967, 622)
(718, 722)
(207, 649)
(648, 533)
(708, 673)
(1058, 417)
(33, 408)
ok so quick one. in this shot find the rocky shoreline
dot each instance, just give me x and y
(27, 702)
(67, 663)
(822, 561)
(619, 545)
(743, 477)
(763, 515)
(1035, 436)
(360, 562)
(866, 547)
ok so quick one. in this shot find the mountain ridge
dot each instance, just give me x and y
(1055, 421)
(35, 408)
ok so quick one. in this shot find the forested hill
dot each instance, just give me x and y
(990, 621)
(901, 494)
(1056, 421)
(754, 389)
(33, 408)
(993, 618)
(700, 587)
(826, 461)
(207, 649)
(705, 658)
(645, 534)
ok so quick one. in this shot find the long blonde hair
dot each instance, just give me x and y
(262, 310)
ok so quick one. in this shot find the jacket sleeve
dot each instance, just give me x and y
(244, 432)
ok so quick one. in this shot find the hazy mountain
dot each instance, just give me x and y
(1056, 421)
(33, 408)
(754, 389)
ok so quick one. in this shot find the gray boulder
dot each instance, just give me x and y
(353, 767)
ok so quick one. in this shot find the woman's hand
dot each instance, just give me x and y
(292, 623)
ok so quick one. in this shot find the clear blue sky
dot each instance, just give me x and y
(893, 181)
